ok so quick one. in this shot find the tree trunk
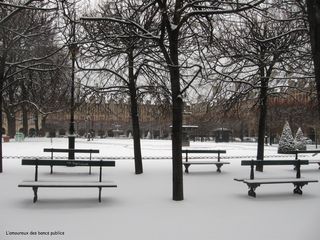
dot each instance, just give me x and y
(25, 120)
(9, 109)
(1, 133)
(43, 123)
(241, 130)
(11, 119)
(2, 67)
(24, 108)
(36, 124)
(134, 116)
(262, 120)
(177, 145)
(313, 7)
(177, 106)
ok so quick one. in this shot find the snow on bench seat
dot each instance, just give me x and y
(253, 183)
(278, 180)
(66, 184)
(315, 162)
(218, 163)
(205, 162)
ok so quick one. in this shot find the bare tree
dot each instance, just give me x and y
(175, 16)
(169, 31)
(121, 54)
(16, 37)
(260, 53)
(313, 9)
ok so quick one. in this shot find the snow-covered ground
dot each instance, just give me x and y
(215, 206)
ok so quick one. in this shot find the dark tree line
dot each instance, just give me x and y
(30, 59)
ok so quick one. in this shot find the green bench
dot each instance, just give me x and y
(297, 181)
(66, 184)
(67, 150)
(218, 163)
(314, 152)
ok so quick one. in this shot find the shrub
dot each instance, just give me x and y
(286, 143)
(299, 141)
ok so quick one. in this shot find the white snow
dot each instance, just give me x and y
(141, 208)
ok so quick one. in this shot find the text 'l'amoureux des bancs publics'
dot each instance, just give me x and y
(34, 233)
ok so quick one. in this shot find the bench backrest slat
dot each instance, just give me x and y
(273, 162)
(66, 150)
(302, 151)
(84, 163)
(297, 163)
(202, 151)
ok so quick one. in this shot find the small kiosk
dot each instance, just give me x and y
(222, 134)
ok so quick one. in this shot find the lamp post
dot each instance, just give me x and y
(73, 49)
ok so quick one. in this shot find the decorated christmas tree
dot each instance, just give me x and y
(299, 141)
(286, 143)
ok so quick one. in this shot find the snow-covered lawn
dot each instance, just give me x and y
(215, 207)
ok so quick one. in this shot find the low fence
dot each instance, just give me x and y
(151, 157)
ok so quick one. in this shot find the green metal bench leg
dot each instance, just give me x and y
(100, 188)
(186, 165)
(35, 191)
(297, 189)
(219, 165)
(251, 192)
(252, 188)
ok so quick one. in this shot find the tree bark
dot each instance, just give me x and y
(134, 116)
(1, 133)
(262, 120)
(36, 124)
(177, 106)
(44, 122)
(9, 109)
(177, 144)
(313, 8)
(25, 120)
(24, 109)
(11, 119)
(2, 69)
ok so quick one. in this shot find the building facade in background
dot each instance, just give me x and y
(113, 120)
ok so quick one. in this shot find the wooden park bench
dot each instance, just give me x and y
(218, 163)
(297, 181)
(67, 150)
(314, 152)
(66, 184)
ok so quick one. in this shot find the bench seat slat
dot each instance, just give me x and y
(205, 162)
(273, 162)
(302, 151)
(314, 161)
(279, 180)
(84, 163)
(253, 183)
(66, 150)
(61, 184)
